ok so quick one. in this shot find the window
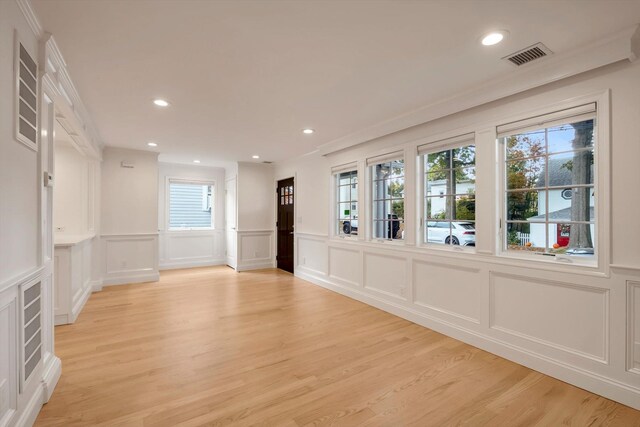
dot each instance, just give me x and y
(387, 177)
(449, 195)
(549, 192)
(190, 205)
(347, 203)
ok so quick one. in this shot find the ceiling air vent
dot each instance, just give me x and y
(528, 54)
(267, 163)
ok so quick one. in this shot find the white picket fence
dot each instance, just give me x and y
(524, 238)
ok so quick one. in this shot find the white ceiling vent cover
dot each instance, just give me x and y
(528, 54)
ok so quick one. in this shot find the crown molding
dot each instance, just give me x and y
(624, 45)
(30, 16)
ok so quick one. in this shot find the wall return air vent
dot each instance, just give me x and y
(528, 54)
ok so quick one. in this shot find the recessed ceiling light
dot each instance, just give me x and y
(196, 161)
(308, 131)
(152, 144)
(493, 37)
(161, 102)
(255, 157)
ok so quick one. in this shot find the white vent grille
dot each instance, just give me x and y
(26, 97)
(528, 54)
(32, 328)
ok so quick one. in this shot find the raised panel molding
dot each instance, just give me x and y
(185, 249)
(448, 289)
(564, 316)
(385, 274)
(311, 254)
(633, 326)
(345, 266)
(130, 258)
(255, 249)
(8, 355)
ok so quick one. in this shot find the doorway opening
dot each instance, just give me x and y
(284, 224)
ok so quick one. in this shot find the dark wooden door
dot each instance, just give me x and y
(284, 224)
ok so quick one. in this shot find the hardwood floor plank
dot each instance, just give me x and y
(213, 347)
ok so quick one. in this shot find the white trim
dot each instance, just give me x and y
(174, 265)
(384, 158)
(30, 412)
(602, 185)
(452, 142)
(348, 167)
(624, 45)
(31, 17)
(551, 119)
(130, 279)
(50, 376)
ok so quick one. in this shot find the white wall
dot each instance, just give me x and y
(129, 216)
(255, 197)
(22, 227)
(70, 193)
(566, 321)
(312, 192)
(191, 248)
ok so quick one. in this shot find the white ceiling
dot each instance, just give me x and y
(245, 77)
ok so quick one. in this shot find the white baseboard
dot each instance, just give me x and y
(191, 264)
(254, 266)
(125, 280)
(77, 307)
(96, 285)
(607, 387)
(61, 319)
(50, 377)
(31, 410)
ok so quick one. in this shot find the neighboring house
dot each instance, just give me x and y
(559, 206)
(438, 204)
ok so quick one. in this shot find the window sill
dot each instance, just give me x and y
(590, 262)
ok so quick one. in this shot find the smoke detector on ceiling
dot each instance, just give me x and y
(528, 54)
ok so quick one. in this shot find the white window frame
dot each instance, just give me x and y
(196, 181)
(335, 186)
(398, 155)
(600, 260)
(424, 150)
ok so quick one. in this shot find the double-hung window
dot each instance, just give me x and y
(548, 177)
(346, 185)
(387, 207)
(190, 205)
(449, 192)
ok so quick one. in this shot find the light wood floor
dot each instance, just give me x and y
(213, 347)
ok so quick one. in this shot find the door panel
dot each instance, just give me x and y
(230, 222)
(284, 200)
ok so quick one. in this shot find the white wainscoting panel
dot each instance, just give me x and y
(73, 286)
(448, 288)
(185, 249)
(345, 266)
(311, 254)
(633, 326)
(386, 274)
(564, 316)
(8, 355)
(255, 249)
(556, 323)
(130, 258)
